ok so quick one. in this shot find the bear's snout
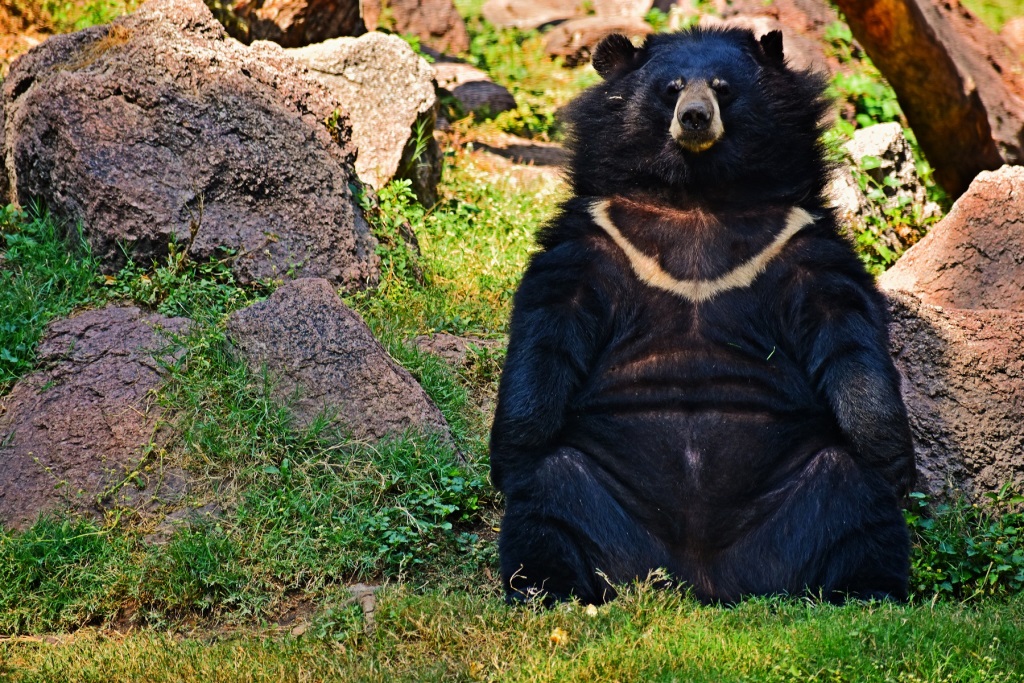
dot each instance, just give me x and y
(697, 120)
(696, 116)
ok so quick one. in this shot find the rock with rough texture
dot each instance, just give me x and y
(436, 23)
(963, 384)
(974, 257)
(472, 88)
(323, 359)
(529, 14)
(388, 92)
(575, 39)
(77, 434)
(958, 84)
(894, 178)
(160, 126)
(453, 348)
(295, 23)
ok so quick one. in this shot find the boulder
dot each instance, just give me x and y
(530, 14)
(973, 258)
(895, 185)
(80, 432)
(636, 9)
(323, 359)
(388, 91)
(436, 23)
(159, 126)
(294, 23)
(963, 384)
(575, 39)
(472, 88)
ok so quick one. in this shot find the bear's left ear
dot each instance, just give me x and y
(612, 55)
(771, 47)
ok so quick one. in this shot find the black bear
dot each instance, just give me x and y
(697, 376)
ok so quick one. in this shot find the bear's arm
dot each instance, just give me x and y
(559, 319)
(844, 339)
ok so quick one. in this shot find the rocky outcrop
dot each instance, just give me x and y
(973, 258)
(159, 126)
(78, 433)
(957, 304)
(575, 39)
(963, 384)
(324, 360)
(295, 23)
(472, 88)
(436, 23)
(388, 92)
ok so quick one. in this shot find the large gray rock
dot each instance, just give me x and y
(963, 383)
(78, 433)
(388, 92)
(160, 126)
(324, 359)
(974, 257)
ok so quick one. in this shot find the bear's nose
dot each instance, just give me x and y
(695, 116)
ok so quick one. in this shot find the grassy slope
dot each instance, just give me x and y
(306, 512)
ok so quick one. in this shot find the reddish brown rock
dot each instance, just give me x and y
(436, 23)
(963, 384)
(77, 433)
(324, 360)
(295, 23)
(974, 257)
(958, 84)
(160, 126)
(453, 348)
(529, 14)
(575, 39)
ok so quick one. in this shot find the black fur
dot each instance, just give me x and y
(752, 444)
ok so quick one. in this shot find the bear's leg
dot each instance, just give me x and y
(837, 531)
(564, 535)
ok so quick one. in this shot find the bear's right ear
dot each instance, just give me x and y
(612, 55)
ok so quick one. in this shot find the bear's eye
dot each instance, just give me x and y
(672, 89)
(722, 90)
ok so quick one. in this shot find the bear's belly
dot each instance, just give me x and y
(722, 436)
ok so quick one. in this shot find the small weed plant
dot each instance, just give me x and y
(967, 551)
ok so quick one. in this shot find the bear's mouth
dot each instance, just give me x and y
(697, 119)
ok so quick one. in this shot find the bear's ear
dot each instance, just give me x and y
(613, 54)
(771, 47)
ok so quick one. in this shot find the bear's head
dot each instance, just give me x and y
(705, 115)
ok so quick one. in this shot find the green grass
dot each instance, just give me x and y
(645, 635)
(43, 276)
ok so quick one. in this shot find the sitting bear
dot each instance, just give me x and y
(697, 376)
